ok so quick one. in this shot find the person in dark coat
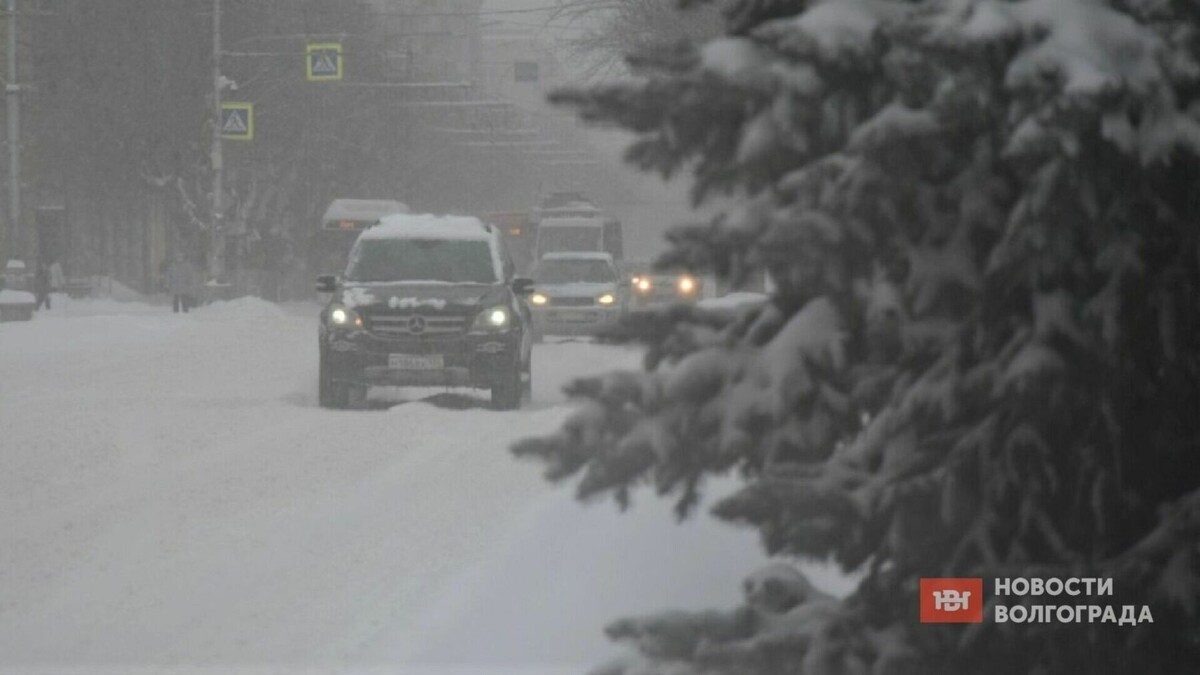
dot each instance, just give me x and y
(41, 285)
(181, 277)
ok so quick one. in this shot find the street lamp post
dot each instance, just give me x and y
(216, 242)
(12, 91)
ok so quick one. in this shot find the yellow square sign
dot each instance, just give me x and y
(324, 62)
(237, 121)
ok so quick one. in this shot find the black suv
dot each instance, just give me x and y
(426, 301)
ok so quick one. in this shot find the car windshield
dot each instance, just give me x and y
(453, 260)
(574, 271)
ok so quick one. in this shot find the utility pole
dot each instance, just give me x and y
(216, 242)
(11, 91)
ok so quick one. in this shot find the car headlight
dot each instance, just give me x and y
(345, 318)
(686, 285)
(606, 299)
(492, 319)
(643, 285)
(538, 299)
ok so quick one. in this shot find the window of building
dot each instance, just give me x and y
(525, 71)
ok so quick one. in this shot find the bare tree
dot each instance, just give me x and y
(612, 30)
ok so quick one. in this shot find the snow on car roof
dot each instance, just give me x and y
(578, 255)
(571, 222)
(429, 226)
(9, 296)
(572, 208)
(575, 204)
(362, 209)
(406, 226)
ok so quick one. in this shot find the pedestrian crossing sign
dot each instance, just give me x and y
(324, 62)
(237, 121)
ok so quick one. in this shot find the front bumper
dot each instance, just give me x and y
(469, 360)
(574, 320)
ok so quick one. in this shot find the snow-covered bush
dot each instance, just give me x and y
(981, 357)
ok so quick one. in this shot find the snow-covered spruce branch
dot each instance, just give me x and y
(978, 219)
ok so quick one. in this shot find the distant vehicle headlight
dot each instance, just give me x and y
(492, 319)
(643, 285)
(606, 299)
(538, 299)
(686, 285)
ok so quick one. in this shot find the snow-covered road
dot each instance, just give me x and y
(170, 495)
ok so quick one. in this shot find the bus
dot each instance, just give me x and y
(341, 224)
(518, 231)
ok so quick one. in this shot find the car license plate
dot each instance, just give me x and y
(415, 362)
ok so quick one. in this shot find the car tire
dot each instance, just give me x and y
(507, 391)
(330, 393)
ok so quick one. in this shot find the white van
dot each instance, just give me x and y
(569, 234)
(590, 234)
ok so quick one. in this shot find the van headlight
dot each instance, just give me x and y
(493, 319)
(606, 299)
(686, 285)
(344, 317)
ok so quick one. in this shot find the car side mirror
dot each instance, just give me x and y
(522, 286)
(327, 283)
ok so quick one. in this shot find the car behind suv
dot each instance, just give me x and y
(579, 292)
(652, 287)
(426, 301)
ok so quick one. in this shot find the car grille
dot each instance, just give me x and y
(572, 302)
(412, 324)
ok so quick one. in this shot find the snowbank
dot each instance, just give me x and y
(248, 307)
(731, 300)
(119, 291)
(567, 570)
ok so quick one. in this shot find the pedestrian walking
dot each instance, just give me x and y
(58, 280)
(180, 279)
(41, 285)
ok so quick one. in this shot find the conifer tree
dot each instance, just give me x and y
(982, 354)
